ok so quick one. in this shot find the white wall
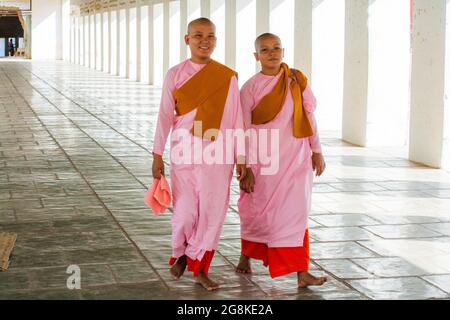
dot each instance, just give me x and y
(47, 29)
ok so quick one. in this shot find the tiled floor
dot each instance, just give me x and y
(74, 167)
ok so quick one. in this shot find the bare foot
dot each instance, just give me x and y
(206, 282)
(244, 265)
(306, 279)
(178, 268)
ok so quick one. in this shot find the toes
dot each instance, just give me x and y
(212, 287)
(209, 286)
(304, 283)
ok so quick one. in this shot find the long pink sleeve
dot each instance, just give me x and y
(310, 103)
(166, 115)
(247, 103)
(238, 122)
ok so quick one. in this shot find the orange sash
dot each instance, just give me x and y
(271, 104)
(206, 91)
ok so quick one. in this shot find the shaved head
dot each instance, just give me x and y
(265, 36)
(199, 21)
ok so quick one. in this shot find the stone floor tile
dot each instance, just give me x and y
(90, 275)
(13, 279)
(153, 290)
(287, 285)
(440, 281)
(75, 166)
(339, 250)
(340, 234)
(397, 289)
(344, 269)
(442, 228)
(345, 220)
(402, 231)
(52, 294)
(390, 267)
(395, 219)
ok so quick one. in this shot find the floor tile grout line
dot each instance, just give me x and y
(95, 193)
(251, 281)
(93, 115)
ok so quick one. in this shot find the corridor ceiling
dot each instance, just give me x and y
(21, 4)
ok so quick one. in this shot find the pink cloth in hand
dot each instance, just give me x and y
(159, 196)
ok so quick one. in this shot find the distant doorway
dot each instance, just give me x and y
(13, 35)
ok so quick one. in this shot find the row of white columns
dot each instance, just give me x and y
(428, 91)
(302, 44)
(427, 103)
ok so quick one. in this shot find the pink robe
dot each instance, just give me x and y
(201, 192)
(276, 213)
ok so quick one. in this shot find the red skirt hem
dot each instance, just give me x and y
(197, 266)
(282, 260)
(200, 266)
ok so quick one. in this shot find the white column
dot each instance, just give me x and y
(90, 49)
(109, 41)
(230, 36)
(151, 54)
(66, 30)
(60, 29)
(427, 82)
(262, 16)
(118, 41)
(205, 7)
(183, 28)
(102, 49)
(95, 39)
(127, 43)
(445, 163)
(262, 21)
(72, 39)
(138, 40)
(85, 41)
(78, 40)
(356, 72)
(303, 36)
(166, 37)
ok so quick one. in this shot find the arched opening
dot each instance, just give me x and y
(13, 33)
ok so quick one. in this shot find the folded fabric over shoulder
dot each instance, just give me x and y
(159, 196)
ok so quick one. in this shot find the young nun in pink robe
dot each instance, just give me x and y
(274, 208)
(200, 189)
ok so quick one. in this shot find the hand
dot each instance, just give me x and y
(248, 184)
(318, 163)
(158, 166)
(241, 171)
